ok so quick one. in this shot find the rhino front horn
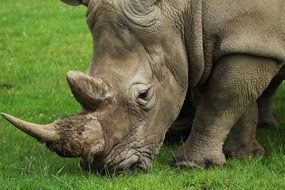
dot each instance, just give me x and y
(45, 133)
(90, 92)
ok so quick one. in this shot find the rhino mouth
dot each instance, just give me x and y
(131, 154)
(132, 160)
(132, 163)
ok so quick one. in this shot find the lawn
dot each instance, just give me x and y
(39, 42)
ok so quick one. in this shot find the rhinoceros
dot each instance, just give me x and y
(148, 55)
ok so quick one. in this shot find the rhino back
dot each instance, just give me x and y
(254, 27)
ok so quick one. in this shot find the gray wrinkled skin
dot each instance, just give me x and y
(149, 54)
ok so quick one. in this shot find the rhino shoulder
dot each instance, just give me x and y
(246, 27)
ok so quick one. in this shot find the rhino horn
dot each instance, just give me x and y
(45, 133)
(90, 92)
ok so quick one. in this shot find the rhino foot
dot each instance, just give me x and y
(205, 160)
(242, 151)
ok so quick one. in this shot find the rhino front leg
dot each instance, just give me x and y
(236, 83)
(242, 137)
(266, 118)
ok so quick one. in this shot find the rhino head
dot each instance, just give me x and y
(133, 91)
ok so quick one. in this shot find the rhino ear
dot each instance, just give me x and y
(76, 2)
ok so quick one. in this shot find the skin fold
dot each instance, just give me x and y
(151, 59)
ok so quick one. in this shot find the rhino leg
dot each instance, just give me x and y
(236, 83)
(242, 141)
(266, 118)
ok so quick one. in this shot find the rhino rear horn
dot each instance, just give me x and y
(90, 92)
(44, 133)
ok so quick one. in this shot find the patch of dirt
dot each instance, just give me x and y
(6, 86)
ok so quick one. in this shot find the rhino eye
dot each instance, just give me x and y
(143, 94)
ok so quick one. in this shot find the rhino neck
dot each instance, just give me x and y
(193, 35)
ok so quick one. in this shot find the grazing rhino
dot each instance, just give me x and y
(148, 54)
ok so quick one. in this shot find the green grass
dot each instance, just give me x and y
(39, 42)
